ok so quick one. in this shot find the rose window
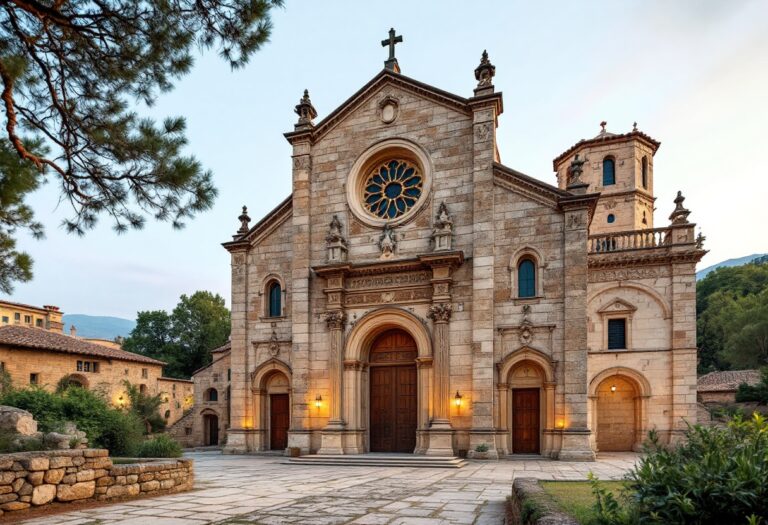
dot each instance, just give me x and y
(392, 189)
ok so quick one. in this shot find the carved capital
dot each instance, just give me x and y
(335, 319)
(440, 313)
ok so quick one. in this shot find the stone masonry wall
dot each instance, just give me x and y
(33, 479)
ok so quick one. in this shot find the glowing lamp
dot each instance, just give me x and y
(457, 399)
(560, 424)
(613, 388)
(318, 401)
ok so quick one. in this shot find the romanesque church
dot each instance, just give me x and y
(416, 295)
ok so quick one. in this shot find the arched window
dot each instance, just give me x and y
(275, 300)
(609, 171)
(611, 218)
(645, 173)
(211, 395)
(526, 278)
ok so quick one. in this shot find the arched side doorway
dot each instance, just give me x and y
(210, 429)
(279, 410)
(619, 399)
(616, 421)
(393, 392)
(271, 408)
(526, 394)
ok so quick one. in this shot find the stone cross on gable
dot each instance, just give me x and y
(391, 62)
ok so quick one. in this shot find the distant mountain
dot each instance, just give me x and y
(730, 262)
(98, 326)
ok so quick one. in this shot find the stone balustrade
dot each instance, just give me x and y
(646, 239)
(33, 479)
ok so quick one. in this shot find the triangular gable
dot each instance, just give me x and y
(528, 186)
(265, 226)
(617, 305)
(386, 77)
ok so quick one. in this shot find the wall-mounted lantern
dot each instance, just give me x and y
(457, 399)
(318, 401)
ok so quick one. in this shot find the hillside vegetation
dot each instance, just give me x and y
(732, 317)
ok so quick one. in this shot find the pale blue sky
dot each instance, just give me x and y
(693, 74)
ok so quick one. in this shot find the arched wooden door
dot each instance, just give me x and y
(393, 392)
(616, 418)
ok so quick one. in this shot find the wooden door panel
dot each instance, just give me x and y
(393, 392)
(279, 421)
(525, 421)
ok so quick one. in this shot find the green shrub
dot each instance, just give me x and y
(10, 443)
(160, 446)
(759, 392)
(482, 447)
(106, 427)
(719, 475)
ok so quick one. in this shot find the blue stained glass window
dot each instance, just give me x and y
(275, 299)
(609, 171)
(392, 189)
(526, 279)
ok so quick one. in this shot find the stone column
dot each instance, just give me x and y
(576, 433)
(299, 433)
(440, 430)
(332, 433)
(684, 381)
(485, 110)
(241, 418)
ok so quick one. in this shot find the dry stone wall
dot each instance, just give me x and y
(33, 479)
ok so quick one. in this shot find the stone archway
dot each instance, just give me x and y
(271, 389)
(526, 401)
(619, 398)
(356, 382)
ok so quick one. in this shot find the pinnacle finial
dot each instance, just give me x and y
(680, 213)
(603, 124)
(244, 220)
(306, 111)
(484, 74)
(634, 126)
(575, 170)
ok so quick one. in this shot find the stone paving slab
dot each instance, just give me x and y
(240, 490)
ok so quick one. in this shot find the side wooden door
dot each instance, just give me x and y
(278, 421)
(525, 421)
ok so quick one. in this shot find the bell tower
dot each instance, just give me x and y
(620, 168)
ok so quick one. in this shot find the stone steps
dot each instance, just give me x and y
(380, 460)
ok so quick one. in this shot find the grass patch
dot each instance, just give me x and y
(576, 498)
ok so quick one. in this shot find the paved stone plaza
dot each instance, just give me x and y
(264, 490)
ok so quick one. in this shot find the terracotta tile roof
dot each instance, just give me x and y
(607, 138)
(31, 307)
(37, 338)
(728, 380)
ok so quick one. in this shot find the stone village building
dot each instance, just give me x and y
(414, 294)
(47, 358)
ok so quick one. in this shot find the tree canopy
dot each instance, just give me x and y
(185, 337)
(72, 74)
(732, 325)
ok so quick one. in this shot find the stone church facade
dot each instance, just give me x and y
(414, 294)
